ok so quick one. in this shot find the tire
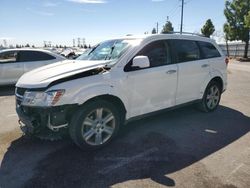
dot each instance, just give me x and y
(95, 124)
(211, 97)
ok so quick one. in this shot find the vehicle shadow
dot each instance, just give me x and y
(149, 148)
(7, 90)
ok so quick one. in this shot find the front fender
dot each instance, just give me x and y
(88, 93)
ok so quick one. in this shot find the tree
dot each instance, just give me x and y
(154, 31)
(247, 19)
(27, 45)
(85, 46)
(168, 27)
(208, 29)
(226, 31)
(237, 26)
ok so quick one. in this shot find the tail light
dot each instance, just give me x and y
(226, 60)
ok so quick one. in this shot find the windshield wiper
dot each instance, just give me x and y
(93, 49)
(109, 56)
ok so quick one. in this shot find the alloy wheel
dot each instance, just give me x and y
(98, 126)
(213, 97)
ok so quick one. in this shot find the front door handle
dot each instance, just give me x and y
(171, 71)
(204, 65)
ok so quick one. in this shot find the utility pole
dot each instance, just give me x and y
(182, 7)
(157, 27)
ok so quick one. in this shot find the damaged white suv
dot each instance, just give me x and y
(120, 80)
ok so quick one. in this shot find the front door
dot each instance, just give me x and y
(152, 88)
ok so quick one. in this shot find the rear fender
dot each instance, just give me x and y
(211, 75)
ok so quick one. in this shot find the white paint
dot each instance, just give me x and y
(11, 115)
(211, 131)
(126, 160)
(235, 170)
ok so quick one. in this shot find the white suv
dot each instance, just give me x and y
(120, 80)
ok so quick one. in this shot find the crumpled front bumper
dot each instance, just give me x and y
(33, 120)
(26, 122)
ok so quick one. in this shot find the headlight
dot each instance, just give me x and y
(36, 98)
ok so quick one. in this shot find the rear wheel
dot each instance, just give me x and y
(95, 124)
(211, 97)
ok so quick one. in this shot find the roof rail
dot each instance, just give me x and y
(185, 33)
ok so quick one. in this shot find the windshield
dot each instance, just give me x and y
(109, 50)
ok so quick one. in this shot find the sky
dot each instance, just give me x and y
(59, 21)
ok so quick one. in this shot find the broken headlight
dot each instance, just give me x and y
(37, 98)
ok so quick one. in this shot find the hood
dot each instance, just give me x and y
(43, 76)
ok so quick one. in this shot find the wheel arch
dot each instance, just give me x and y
(217, 78)
(113, 100)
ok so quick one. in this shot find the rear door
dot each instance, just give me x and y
(35, 59)
(10, 69)
(193, 70)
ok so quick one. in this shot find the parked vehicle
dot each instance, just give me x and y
(118, 81)
(15, 62)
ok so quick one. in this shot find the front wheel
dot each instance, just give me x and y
(95, 124)
(211, 97)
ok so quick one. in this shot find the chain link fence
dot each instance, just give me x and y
(235, 49)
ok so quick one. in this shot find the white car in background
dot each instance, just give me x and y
(15, 62)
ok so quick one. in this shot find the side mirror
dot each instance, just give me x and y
(141, 62)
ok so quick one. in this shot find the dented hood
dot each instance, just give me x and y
(43, 76)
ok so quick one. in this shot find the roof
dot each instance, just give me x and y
(25, 49)
(33, 49)
(187, 36)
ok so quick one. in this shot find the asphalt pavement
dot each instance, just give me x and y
(180, 148)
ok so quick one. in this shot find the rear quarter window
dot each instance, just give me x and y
(208, 50)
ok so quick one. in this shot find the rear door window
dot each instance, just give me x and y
(208, 50)
(8, 57)
(185, 50)
(25, 56)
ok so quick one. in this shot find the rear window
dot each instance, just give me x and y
(186, 50)
(25, 56)
(208, 50)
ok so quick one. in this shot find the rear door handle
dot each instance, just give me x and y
(171, 71)
(205, 65)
